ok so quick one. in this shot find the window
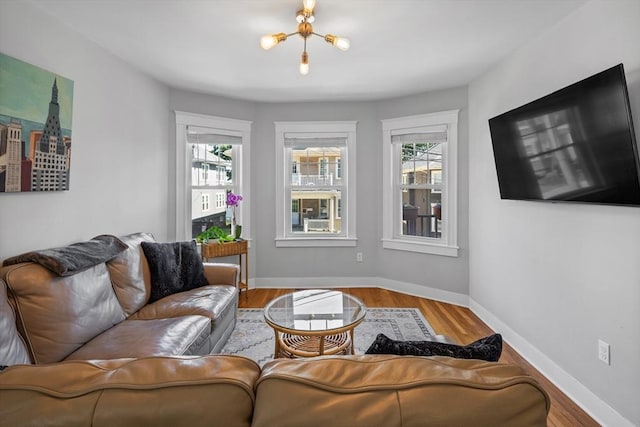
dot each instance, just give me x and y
(212, 158)
(205, 202)
(221, 199)
(205, 172)
(324, 162)
(315, 202)
(420, 195)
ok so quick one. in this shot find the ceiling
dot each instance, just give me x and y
(398, 47)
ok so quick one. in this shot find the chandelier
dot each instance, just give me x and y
(304, 17)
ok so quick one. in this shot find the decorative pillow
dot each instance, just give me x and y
(488, 348)
(174, 267)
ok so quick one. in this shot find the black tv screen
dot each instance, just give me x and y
(576, 144)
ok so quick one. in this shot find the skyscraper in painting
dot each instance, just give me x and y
(49, 170)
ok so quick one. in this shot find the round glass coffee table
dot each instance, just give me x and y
(314, 322)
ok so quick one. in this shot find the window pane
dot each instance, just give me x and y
(205, 214)
(315, 211)
(316, 166)
(422, 212)
(421, 207)
(211, 165)
(421, 163)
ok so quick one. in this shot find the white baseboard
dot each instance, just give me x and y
(361, 282)
(582, 396)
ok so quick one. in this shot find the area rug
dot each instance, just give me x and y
(254, 339)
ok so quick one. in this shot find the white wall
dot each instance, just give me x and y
(120, 142)
(427, 275)
(555, 278)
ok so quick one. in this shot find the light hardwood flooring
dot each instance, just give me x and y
(456, 322)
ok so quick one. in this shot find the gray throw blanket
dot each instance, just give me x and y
(72, 259)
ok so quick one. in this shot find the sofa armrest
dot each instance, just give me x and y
(193, 391)
(222, 273)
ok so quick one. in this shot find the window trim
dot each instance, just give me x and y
(183, 168)
(319, 129)
(206, 207)
(447, 245)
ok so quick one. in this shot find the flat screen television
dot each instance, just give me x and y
(575, 145)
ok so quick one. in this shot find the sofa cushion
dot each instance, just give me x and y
(487, 348)
(57, 315)
(153, 391)
(175, 267)
(12, 348)
(130, 274)
(377, 390)
(139, 338)
(211, 301)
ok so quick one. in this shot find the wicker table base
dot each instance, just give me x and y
(291, 345)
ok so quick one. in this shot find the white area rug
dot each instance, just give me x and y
(254, 339)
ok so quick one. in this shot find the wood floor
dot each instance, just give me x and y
(456, 322)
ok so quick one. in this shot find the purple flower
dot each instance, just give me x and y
(233, 199)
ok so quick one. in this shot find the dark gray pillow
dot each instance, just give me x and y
(174, 267)
(487, 348)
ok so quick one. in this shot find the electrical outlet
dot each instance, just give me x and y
(604, 352)
(359, 257)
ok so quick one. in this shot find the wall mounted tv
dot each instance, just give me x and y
(575, 145)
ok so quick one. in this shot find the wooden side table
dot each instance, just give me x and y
(237, 247)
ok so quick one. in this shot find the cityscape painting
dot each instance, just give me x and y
(35, 128)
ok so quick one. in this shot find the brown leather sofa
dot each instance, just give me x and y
(66, 371)
(229, 391)
(102, 312)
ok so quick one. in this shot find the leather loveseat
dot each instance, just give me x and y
(75, 361)
(102, 312)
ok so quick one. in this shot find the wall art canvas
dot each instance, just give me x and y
(35, 128)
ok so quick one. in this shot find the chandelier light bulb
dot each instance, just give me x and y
(342, 43)
(308, 5)
(304, 64)
(270, 40)
(339, 42)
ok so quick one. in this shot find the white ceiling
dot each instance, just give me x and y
(398, 47)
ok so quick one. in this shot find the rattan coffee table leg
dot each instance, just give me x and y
(276, 350)
(352, 342)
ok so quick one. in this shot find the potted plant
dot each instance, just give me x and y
(214, 234)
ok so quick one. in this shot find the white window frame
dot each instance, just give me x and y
(317, 129)
(242, 168)
(205, 171)
(392, 237)
(205, 203)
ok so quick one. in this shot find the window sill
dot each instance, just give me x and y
(420, 247)
(315, 242)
